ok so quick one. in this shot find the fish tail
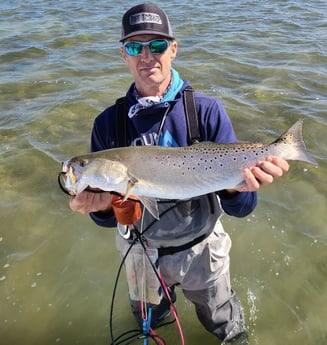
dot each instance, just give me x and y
(294, 138)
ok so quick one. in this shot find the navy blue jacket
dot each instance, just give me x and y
(165, 124)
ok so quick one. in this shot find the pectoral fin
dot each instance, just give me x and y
(151, 205)
(130, 185)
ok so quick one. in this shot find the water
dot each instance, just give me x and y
(60, 66)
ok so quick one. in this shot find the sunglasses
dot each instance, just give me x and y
(135, 48)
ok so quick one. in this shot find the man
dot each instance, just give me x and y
(193, 246)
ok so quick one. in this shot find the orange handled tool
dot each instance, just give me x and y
(126, 212)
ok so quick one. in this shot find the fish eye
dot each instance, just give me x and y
(82, 163)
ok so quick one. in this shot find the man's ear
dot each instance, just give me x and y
(123, 54)
(173, 50)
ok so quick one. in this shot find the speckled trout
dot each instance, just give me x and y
(156, 172)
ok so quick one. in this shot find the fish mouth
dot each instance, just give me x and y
(62, 177)
(64, 167)
(66, 176)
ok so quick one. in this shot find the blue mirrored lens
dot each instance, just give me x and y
(158, 46)
(155, 47)
(133, 48)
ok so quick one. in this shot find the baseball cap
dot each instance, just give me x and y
(145, 19)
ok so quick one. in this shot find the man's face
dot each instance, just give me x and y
(150, 71)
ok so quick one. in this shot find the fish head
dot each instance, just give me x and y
(86, 171)
(72, 173)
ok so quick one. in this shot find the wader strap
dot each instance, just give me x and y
(194, 136)
(191, 116)
(121, 122)
(172, 250)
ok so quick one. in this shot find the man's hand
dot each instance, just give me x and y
(126, 212)
(86, 202)
(264, 173)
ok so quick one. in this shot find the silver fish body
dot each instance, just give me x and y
(177, 173)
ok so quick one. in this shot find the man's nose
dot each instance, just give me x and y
(146, 53)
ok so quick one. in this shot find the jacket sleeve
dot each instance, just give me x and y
(106, 220)
(239, 204)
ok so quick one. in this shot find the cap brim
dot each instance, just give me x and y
(145, 32)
